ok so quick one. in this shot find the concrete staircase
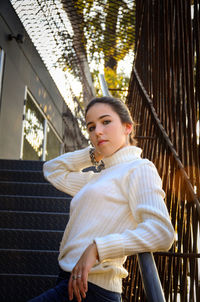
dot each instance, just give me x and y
(33, 215)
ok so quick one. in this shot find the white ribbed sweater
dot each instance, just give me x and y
(121, 208)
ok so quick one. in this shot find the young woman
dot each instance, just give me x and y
(114, 213)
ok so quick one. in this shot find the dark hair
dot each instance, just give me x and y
(120, 108)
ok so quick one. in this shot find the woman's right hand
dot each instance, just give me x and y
(78, 282)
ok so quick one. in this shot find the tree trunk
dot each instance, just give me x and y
(110, 35)
(76, 19)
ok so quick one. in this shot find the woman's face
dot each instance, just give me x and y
(107, 133)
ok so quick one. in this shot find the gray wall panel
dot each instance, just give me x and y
(23, 67)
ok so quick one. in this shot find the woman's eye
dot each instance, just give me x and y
(106, 122)
(90, 129)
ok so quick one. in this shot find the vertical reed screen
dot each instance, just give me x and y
(164, 99)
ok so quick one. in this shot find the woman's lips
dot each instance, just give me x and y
(101, 142)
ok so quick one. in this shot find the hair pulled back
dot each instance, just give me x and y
(118, 107)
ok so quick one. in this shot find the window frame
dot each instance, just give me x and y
(2, 63)
(47, 124)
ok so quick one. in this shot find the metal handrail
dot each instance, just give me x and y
(148, 270)
(150, 278)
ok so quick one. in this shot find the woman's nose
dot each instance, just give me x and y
(98, 130)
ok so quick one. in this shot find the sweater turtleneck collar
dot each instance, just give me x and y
(126, 154)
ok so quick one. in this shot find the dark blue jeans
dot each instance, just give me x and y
(60, 292)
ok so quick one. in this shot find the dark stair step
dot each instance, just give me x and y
(26, 188)
(33, 220)
(21, 288)
(30, 239)
(29, 262)
(33, 215)
(22, 176)
(13, 164)
(35, 203)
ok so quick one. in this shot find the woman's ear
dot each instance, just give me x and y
(128, 128)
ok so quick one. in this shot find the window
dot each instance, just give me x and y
(40, 141)
(2, 55)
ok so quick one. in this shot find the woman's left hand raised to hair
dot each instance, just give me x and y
(79, 277)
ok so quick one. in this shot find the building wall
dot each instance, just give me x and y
(23, 68)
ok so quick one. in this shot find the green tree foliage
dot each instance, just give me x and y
(106, 31)
(109, 29)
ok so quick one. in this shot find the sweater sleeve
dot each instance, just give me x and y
(154, 231)
(64, 172)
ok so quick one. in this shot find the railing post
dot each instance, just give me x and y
(103, 85)
(148, 270)
(150, 278)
